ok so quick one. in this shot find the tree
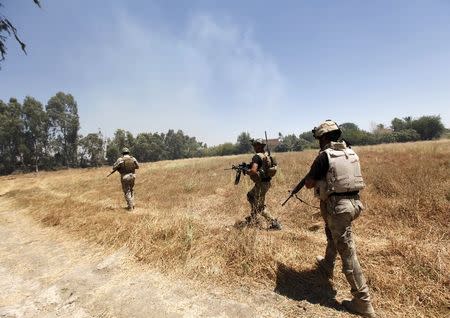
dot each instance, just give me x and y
(92, 149)
(174, 144)
(112, 152)
(64, 123)
(308, 136)
(13, 148)
(129, 139)
(428, 127)
(398, 124)
(225, 149)
(114, 147)
(7, 29)
(35, 129)
(348, 126)
(281, 148)
(244, 145)
(121, 139)
(149, 147)
(293, 143)
(406, 135)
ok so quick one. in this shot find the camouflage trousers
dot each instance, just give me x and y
(338, 214)
(257, 197)
(127, 187)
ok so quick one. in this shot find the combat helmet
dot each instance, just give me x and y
(325, 127)
(125, 150)
(258, 141)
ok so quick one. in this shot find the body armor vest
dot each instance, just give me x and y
(128, 165)
(344, 172)
(269, 165)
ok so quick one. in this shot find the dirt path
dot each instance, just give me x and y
(44, 273)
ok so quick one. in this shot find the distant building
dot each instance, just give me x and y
(272, 143)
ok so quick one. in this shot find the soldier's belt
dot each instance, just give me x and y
(351, 195)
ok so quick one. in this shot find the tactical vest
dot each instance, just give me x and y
(344, 172)
(128, 165)
(269, 165)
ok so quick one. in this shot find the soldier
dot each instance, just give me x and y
(336, 177)
(126, 165)
(261, 170)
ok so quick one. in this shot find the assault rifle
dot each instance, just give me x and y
(294, 191)
(111, 173)
(241, 168)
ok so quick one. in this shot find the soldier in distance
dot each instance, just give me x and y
(127, 165)
(261, 171)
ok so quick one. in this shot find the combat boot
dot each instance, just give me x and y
(359, 307)
(325, 267)
(275, 225)
(249, 221)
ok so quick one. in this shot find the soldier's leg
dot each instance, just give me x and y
(266, 214)
(261, 201)
(132, 191)
(251, 198)
(127, 191)
(327, 262)
(341, 231)
(262, 207)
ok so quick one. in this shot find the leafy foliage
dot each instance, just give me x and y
(91, 150)
(291, 143)
(7, 29)
(64, 123)
(428, 127)
(35, 130)
(244, 145)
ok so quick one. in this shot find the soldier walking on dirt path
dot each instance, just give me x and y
(336, 177)
(126, 165)
(261, 170)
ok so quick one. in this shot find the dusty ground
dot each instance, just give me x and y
(44, 273)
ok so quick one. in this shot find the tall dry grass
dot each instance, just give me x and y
(186, 209)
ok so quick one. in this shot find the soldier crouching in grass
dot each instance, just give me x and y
(127, 165)
(336, 177)
(261, 170)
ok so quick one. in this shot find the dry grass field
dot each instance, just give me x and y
(183, 224)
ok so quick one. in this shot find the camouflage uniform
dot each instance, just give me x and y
(257, 195)
(338, 212)
(126, 165)
(338, 179)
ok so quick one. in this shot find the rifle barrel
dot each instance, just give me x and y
(267, 143)
(288, 198)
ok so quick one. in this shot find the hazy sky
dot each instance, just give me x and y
(217, 68)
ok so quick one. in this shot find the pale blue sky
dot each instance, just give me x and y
(216, 68)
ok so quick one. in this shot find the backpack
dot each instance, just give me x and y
(128, 165)
(270, 165)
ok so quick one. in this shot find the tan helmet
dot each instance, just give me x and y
(325, 127)
(258, 141)
(125, 150)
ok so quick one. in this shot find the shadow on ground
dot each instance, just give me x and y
(309, 285)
